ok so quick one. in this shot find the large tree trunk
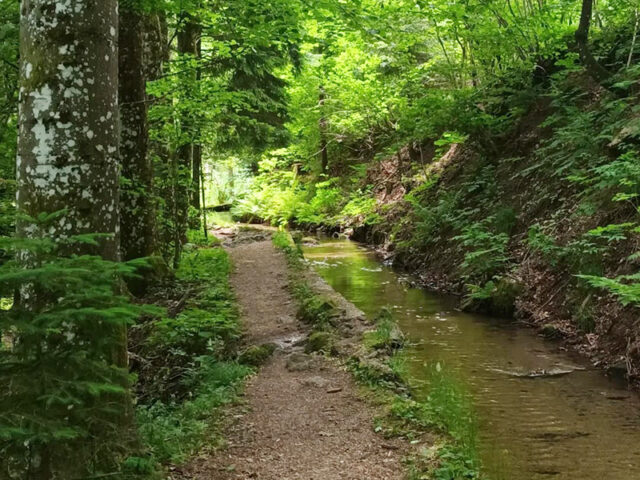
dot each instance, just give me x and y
(137, 206)
(69, 136)
(68, 140)
(597, 71)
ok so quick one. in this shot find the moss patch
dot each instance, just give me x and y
(257, 355)
(320, 342)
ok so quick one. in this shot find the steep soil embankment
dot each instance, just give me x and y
(527, 219)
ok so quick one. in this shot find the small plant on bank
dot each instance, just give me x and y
(387, 335)
(496, 297)
(448, 409)
(486, 251)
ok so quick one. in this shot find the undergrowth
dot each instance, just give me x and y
(65, 385)
(190, 369)
(445, 409)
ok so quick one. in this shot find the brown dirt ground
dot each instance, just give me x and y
(308, 424)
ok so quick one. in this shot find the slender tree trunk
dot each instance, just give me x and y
(597, 71)
(322, 127)
(187, 46)
(204, 204)
(156, 55)
(136, 203)
(197, 148)
(197, 168)
(633, 40)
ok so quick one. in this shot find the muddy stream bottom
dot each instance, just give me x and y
(542, 413)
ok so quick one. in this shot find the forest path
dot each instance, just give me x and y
(302, 420)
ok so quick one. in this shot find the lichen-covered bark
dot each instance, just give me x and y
(155, 52)
(68, 140)
(136, 201)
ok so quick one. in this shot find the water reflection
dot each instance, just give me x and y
(537, 420)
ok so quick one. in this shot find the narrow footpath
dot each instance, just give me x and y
(303, 417)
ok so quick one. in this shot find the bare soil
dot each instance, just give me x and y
(303, 417)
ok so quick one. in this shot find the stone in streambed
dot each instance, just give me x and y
(551, 331)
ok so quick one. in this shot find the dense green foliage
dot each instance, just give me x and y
(191, 370)
(64, 394)
(431, 116)
(8, 110)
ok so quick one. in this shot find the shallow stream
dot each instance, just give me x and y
(574, 426)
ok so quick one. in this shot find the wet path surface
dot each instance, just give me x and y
(543, 413)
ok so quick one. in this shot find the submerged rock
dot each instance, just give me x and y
(551, 331)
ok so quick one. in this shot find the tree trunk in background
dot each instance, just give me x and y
(188, 39)
(197, 168)
(136, 202)
(156, 55)
(597, 71)
(68, 145)
(155, 51)
(322, 127)
(197, 149)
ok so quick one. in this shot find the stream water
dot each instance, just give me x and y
(578, 426)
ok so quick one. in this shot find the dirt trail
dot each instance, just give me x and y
(304, 420)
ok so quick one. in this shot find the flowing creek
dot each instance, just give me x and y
(575, 426)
